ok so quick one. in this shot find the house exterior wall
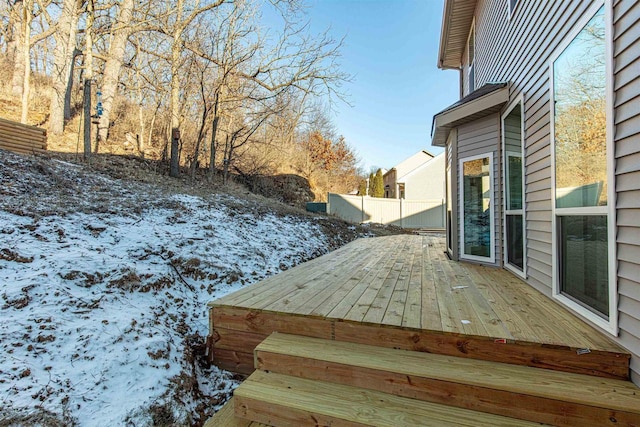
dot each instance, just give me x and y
(426, 182)
(397, 174)
(478, 138)
(410, 163)
(626, 68)
(389, 180)
(518, 50)
(465, 73)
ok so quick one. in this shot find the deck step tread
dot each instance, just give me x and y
(226, 417)
(587, 390)
(284, 400)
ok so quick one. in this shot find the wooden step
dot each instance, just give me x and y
(533, 394)
(282, 400)
(226, 417)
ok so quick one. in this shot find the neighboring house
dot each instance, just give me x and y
(543, 151)
(419, 177)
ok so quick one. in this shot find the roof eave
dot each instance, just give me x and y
(460, 13)
(474, 109)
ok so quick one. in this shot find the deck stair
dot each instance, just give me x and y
(309, 381)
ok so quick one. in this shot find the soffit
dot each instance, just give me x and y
(487, 100)
(456, 23)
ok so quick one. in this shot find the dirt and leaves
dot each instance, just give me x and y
(106, 281)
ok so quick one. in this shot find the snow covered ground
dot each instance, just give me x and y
(103, 292)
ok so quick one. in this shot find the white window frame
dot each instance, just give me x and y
(512, 9)
(450, 180)
(611, 324)
(518, 101)
(471, 81)
(492, 258)
(448, 198)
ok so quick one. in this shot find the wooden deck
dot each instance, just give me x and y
(403, 292)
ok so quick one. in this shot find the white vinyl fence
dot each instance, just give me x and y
(402, 213)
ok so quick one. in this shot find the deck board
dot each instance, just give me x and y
(339, 307)
(408, 282)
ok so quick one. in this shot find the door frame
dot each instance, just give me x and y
(492, 257)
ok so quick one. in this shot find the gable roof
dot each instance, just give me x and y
(431, 162)
(486, 100)
(412, 162)
(456, 23)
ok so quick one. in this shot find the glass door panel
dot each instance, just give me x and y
(477, 219)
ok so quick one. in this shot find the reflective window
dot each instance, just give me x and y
(584, 268)
(580, 149)
(579, 84)
(514, 181)
(514, 200)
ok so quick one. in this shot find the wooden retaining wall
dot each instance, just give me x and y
(22, 139)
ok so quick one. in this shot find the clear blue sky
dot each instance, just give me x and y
(391, 50)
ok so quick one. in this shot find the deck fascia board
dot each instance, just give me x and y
(402, 291)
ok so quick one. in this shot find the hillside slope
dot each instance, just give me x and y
(104, 284)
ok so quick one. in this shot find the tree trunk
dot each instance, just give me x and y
(12, 29)
(228, 151)
(26, 21)
(113, 66)
(176, 49)
(64, 54)
(174, 170)
(68, 91)
(141, 130)
(88, 80)
(214, 132)
(152, 127)
(201, 135)
(212, 154)
(19, 53)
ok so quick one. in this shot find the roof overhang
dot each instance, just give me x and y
(489, 99)
(456, 24)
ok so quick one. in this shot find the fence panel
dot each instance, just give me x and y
(403, 213)
(382, 211)
(423, 214)
(349, 207)
(22, 139)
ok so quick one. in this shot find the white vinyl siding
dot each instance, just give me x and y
(518, 50)
(479, 138)
(626, 85)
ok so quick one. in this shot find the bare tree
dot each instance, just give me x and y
(27, 14)
(18, 48)
(181, 19)
(63, 58)
(120, 30)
